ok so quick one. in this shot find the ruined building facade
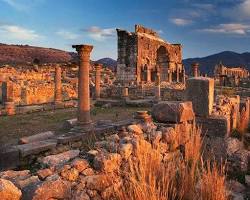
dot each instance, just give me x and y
(229, 76)
(142, 55)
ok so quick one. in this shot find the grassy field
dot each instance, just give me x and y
(14, 127)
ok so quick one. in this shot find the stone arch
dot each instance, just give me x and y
(162, 61)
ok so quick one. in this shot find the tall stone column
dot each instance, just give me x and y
(83, 84)
(58, 84)
(148, 75)
(158, 88)
(195, 67)
(98, 68)
(177, 76)
(169, 76)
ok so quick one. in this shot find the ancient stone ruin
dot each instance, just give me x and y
(93, 160)
(143, 54)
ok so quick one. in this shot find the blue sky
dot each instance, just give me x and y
(203, 27)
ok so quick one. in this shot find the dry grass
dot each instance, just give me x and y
(184, 177)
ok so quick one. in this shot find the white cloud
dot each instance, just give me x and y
(233, 28)
(240, 12)
(181, 21)
(67, 35)
(18, 33)
(22, 5)
(99, 34)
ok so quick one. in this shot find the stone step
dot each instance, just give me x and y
(36, 138)
(36, 147)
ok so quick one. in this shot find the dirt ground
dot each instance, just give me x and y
(14, 127)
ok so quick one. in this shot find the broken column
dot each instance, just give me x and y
(83, 84)
(158, 88)
(98, 81)
(200, 91)
(125, 93)
(58, 84)
(8, 97)
(195, 67)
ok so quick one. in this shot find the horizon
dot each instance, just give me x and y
(203, 28)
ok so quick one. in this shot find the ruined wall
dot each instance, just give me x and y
(142, 54)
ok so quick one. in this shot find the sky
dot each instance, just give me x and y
(203, 27)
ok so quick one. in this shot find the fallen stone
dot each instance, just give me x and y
(36, 147)
(80, 195)
(8, 191)
(107, 162)
(80, 164)
(44, 173)
(135, 129)
(70, 174)
(37, 137)
(59, 159)
(88, 172)
(98, 182)
(173, 111)
(55, 188)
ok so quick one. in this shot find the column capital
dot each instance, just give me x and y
(83, 48)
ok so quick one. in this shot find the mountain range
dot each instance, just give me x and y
(23, 54)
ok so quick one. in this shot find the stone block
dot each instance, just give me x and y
(217, 126)
(200, 91)
(9, 158)
(37, 137)
(36, 147)
(173, 111)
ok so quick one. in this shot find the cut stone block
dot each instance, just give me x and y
(62, 158)
(217, 126)
(9, 158)
(36, 147)
(173, 111)
(200, 91)
(37, 137)
(70, 123)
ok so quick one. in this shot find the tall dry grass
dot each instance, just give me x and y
(181, 177)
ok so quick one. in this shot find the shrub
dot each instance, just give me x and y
(149, 177)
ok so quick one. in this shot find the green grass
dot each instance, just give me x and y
(14, 127)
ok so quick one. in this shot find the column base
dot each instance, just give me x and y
(85, 126)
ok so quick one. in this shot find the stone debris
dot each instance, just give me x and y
(59, 159)
(8, 191)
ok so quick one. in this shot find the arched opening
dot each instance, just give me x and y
(163, 62)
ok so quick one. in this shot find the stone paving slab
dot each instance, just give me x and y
(37, 137)
(36, 147)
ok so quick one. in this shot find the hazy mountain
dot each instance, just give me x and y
(108, 62)
(228, 58)
(22, 54)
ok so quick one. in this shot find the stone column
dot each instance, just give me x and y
(183, 76)
(58, 84)
(169, 76)
(148, 75)
(158, 88)
(125, 93)
(177, 76)
(83, 84)
(195, 67)
(98, 68)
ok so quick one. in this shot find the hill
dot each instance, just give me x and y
(22, 54)
(228, 58)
